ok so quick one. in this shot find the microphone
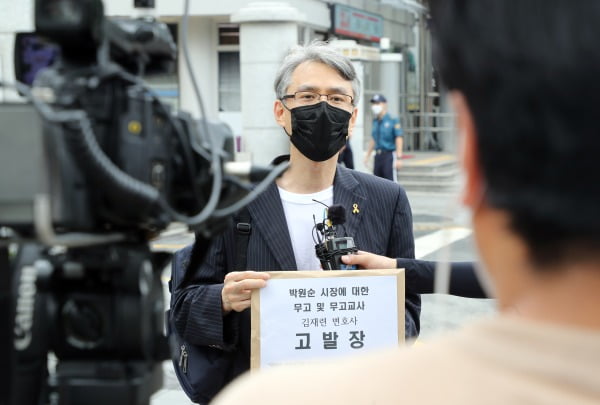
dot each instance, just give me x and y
(336, 214)
(332, 247)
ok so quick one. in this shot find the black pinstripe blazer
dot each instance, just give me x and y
(383, 226)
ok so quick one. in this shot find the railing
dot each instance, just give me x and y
(429, 130)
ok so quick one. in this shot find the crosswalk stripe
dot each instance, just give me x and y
(429, 243)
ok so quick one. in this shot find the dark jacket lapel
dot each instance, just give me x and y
(269, 219)
(348, 193)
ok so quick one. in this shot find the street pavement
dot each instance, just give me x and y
(442, 232)
(441, 214)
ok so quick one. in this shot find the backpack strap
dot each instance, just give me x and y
(194, 258)
(243, 228)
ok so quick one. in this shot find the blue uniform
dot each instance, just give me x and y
(384, 132)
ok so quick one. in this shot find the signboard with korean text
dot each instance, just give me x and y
(355, 23)
(313, 315)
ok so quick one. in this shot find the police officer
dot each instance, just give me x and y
(387, 140)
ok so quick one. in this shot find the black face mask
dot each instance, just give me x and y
(319, 131)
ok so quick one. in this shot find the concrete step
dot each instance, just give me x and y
(435, 172)
(447, 175)
(427, 170)
(445, 186)
(428, 162)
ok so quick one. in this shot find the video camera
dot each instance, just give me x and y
(331, 247)
(92, 169)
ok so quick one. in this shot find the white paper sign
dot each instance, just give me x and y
(308, 318)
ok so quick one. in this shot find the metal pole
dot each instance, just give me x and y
(422, 87)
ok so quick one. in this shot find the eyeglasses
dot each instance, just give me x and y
(310, 98)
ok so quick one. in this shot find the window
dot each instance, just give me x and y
(229, 34)
(229, 81)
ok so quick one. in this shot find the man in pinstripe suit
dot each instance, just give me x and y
(317, 90)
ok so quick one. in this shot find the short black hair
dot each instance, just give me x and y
(530, 73)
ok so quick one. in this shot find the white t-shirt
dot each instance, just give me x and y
(299, 210)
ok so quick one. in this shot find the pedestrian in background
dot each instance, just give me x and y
(346, 156)
(386, 139)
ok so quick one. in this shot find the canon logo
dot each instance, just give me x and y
(25, 306)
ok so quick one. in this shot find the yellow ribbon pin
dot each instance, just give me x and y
(135, 127)
(355, 209)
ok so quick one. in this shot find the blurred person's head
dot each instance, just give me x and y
(378, 105)
(317, 89)
(524, 80)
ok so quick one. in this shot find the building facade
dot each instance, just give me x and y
(235, 47)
